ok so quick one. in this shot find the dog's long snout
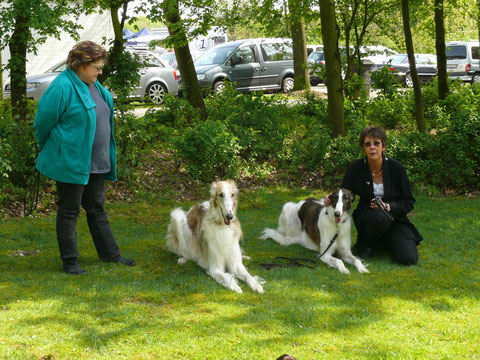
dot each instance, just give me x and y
(229, 216)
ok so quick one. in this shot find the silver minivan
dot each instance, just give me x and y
(463, 61)
(254, 64)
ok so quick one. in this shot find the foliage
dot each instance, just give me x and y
(18, 151)
(384, 79)
(124, 77)
(210, 150)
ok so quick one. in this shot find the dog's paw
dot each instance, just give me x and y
(258, 288)
(182, 261)
(344, 270)
(237, 289)
(363, 270)
(245, 257)
(259, 279)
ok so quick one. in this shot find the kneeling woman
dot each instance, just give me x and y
(385, 200)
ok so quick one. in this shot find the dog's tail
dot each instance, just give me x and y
(179, 234)
(278, 237)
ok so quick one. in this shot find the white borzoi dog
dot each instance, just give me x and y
(312, 224)
(209, 234)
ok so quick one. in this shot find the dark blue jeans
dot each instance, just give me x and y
(92, 198)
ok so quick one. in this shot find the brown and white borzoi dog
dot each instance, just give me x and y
(312, 224)
(209, 234)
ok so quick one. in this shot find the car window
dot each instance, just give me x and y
(215, 56)
(398, 59)
(247, 54)
(151, 61)
(316, 56)
(456, 52)
(58, 67)
(475, 52)
(276, 52)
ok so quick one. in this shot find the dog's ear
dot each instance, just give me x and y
(351, 195)
(233, 185)
(213, 188)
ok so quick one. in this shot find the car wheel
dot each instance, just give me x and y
(408, 80)
(155, 92)
(476, 78)
(218, 87)
(287, 84)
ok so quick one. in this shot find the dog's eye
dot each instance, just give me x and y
(233, 195)
(221, 195)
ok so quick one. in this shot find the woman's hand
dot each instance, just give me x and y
(373, 204)
(326, 200)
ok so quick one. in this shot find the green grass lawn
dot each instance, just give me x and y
(160, 310)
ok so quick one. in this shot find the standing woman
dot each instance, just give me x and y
(385, 200)
(74, 131)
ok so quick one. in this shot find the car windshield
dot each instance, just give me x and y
(456, 52)
(57, 67)
(316, 56)
(215, 56)
(398, 59)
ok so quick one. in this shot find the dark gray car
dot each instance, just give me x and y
(254, 64)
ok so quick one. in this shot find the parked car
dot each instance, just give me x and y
(312, 48)
(254, 64)
(463, 61)
(316, 60)
(157, 79)
(426, 65)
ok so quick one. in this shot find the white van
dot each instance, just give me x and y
(463, 61)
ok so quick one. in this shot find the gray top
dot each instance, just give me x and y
(101, 143)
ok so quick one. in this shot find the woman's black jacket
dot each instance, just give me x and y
(397, 192)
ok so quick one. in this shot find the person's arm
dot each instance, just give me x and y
(403, 202)
(49, 111)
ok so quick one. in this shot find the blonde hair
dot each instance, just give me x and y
(85, 52)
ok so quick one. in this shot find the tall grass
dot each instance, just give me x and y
(160, 310)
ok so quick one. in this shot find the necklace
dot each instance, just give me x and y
(376, 172)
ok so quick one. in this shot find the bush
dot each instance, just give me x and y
(209, 151)
(18, 152)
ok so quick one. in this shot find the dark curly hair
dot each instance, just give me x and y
(85, 52)
(375, 132)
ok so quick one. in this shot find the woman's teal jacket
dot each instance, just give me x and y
(65, 125)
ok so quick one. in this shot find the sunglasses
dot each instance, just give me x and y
(375, 143)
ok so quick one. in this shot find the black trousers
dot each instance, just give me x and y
(92, 198)
(377, 231)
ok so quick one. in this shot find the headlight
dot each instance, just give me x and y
(201, 77)
(33, 85)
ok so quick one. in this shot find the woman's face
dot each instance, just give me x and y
(88, 72)
(373, 148)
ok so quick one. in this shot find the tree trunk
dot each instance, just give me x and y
(299, 40)
(191, 88)
(117, 47)
(441, 52)
(18, 62)
(419, 106)
(336, 115)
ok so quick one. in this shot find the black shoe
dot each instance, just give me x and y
(70, 266)
(363, 252)
(121, 260)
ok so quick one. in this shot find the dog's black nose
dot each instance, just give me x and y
(337, 213)
(229, 216)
